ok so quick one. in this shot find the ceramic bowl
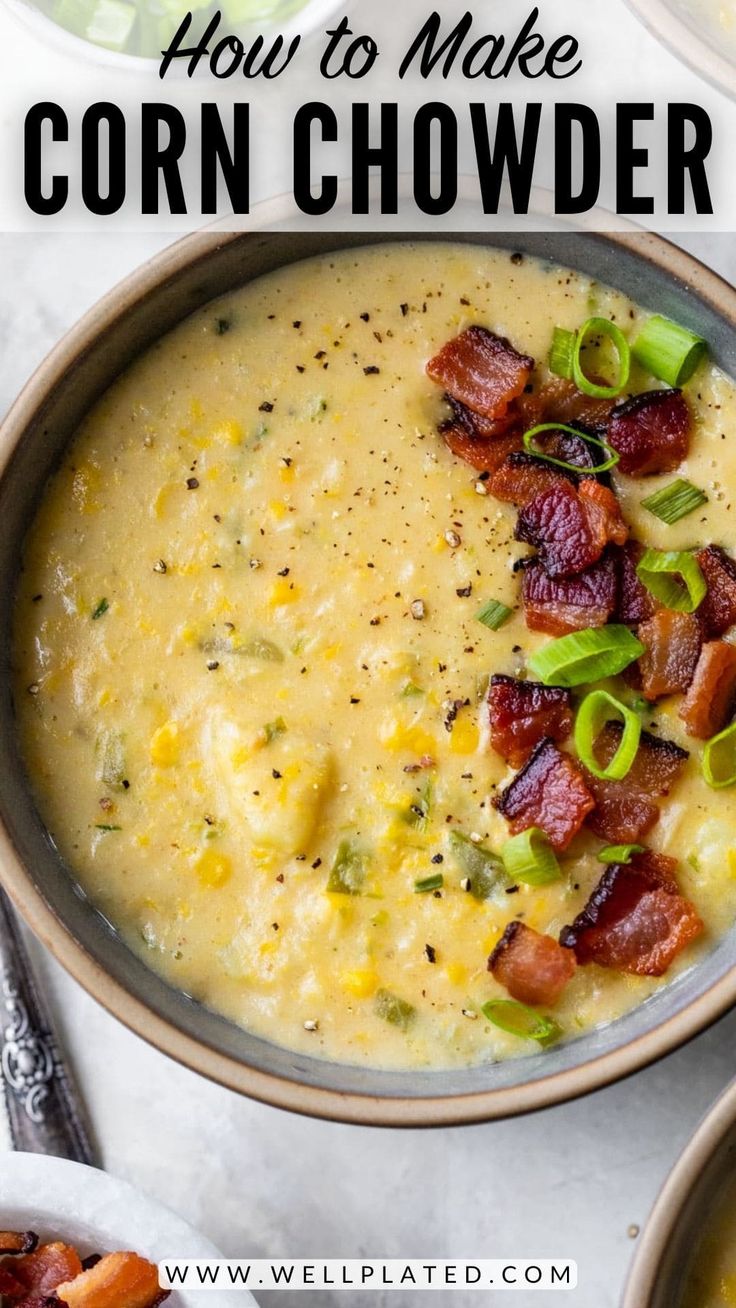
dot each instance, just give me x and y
(695, 41)
(688, 1199)
(97, 1213)
(32, 438)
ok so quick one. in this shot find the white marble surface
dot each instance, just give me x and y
(567, 1182)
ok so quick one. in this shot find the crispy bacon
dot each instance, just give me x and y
(10, 1288)
(561, 401)
(718, 610)
(119, 1280)
(18, 1242)
(626, 810)
(604, 511)
(569, 527)
(524, 712)
(41, 1272)
(635, 920)
(484, 454)
(561, 604)
(475, 424)
(635, 603)
(482, 371)
(711, 698)
(534, 968)
(521, 477)
(651, 432)
(549, 792)
(672, 643)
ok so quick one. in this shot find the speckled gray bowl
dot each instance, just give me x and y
(687, 1200)
(32, 437)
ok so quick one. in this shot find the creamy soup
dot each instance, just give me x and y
(711, 1276)
(250, 675)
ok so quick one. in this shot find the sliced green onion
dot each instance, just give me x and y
(529, 858)
(668, 351)
(659, 570)
(425, 884)
(480, 865)
(675, 501)
(494, 614)
(519, 1020)
(348, 870)
(530, 436)
(105, 826)
(719, 759)
(587, 655)
(619, 853)
(591, 716)
(274, 729)
(601, 327)
(392, 1009)
(417, 813)
(101, 607)
(561, 352)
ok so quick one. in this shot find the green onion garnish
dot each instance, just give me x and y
(587, 655)
(480, 865)
(105, 826)
(659, 571)
(530, 436)
(667, 351)
(591, 716)
(529, 858)
(719, 759)
(601, 327)
(101, 607)
(274, 729)
(417, 813)
(494, 614)
(619, 853)
(425, 884)
(348, 870)
(675, 501)
(394, 1010)
(521, 1021)
(561, 351)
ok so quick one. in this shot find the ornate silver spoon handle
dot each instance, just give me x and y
(44, 1110)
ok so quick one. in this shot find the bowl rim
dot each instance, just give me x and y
(673, 31)
(268, 1087)
(663, 1221)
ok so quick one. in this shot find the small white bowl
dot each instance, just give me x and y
(97, 1213)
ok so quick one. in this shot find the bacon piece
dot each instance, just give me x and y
(41, 1272)
(651, 432)
(718, 610)
(604, 511)
(521, 477)
(570, 529)
(524, 712)
(485, 455)
(18, 1242)
(711, 698)
(672, 643)
(119, 1280)
(635, 603)
(534, 968)
(482, 371)
(549, 792)
(10, 1288)
(561, 604)
(635, 920)
(475, 424)
(626, 810)
(561, 401)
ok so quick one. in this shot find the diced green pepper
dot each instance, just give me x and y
(479, 864)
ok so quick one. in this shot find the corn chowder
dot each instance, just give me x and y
(711, 1278)
(250, 678)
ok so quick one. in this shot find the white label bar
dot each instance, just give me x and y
(368, 1274)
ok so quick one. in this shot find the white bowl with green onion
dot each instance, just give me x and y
(133, 33)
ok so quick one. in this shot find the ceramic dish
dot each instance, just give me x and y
(185, 277)
(690, 29)
(61, 1200)
(690, 1197)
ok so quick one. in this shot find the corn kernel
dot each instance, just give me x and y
(213, 869)
(361, 983)
(283, 592)
(228, 433)
(277, 509)
(408, 739)
(166, 745)
(464, 738)
(456, 973)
